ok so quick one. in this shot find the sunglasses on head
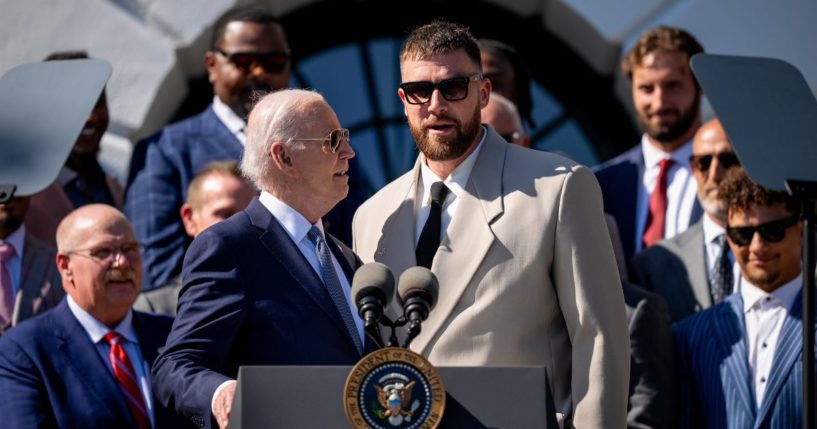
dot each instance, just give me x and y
(332, 142)
(770, 232)
(272, 62)
(702, 163)
(453, 89)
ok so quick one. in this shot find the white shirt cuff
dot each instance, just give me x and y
(215, 395)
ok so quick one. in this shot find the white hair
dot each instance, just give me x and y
(277, 117)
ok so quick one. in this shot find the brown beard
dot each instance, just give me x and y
(671, 132)
(453, 147)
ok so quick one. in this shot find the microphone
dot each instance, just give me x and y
(418, 290)
(372, 290)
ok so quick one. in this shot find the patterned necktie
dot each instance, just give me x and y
(721, 277)
(6, 288)
(430, 236)
(126, 377)
(333, 285)
(658, 206)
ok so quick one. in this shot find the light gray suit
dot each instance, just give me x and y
(527, 276)
(676, 269)
(40, 281)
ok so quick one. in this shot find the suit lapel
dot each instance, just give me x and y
(33, 270)
(396, 245)
(728, 325)
(81, 355)
(458, 259)
(787, 352)
(693, 251)
(277, 241)
(222, 139)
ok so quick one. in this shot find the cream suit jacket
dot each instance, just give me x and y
(527, 276)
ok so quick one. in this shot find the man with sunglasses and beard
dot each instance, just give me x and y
(740, 361)
(249, 56)
(696, 269)
(516, 238)
(649, 189)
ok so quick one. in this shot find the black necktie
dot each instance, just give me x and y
(721, 277)
(430, 237)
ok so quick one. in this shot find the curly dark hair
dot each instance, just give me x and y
(437, 38)
(742, 194)
(662, 38)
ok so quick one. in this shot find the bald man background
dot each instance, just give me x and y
(688, 270)
(86, 362)
(503, 115)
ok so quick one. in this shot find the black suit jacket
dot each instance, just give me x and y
(249, 297)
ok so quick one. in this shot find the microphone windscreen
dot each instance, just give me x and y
(418, 279)
(373, 278)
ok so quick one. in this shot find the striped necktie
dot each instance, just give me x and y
(126, 377)
(333, 285)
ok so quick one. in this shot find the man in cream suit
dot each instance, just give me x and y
(526, 270)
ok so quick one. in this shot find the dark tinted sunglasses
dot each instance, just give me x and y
(332, 142)
(770, 232)
(272, 62)
(702, 163)
(453, 89)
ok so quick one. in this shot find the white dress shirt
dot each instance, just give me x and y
(230, 120)
(455, 182)
(713, 251)
(764, 314)
(681, 189)
(96, 332)
(15, 265)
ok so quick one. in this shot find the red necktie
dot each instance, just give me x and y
(658, 206)
(6, 288)
(126, 377)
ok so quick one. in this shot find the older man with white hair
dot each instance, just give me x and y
(261, 285)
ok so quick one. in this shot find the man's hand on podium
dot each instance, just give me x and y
(223, 404)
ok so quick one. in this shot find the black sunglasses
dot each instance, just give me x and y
(332, 142)
(272, 62)
(702, 163)
(453, 89)
(770, 232)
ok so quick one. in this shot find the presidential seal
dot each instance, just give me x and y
(394, 388)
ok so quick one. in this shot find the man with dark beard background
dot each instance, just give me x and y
(249, 57)
(650, 190)
(516, 238)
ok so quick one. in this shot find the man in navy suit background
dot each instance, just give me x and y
(57, 369)
(264, 287)
(249, 56)
(740, 361)
(666, 98)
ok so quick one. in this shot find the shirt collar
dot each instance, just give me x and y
(653, 155)
(294, 223)
(226, 115)
(456, 181)
(786, 294)
(711, 229)
(96, 330)
(17, 240)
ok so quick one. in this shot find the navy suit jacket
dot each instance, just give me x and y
(249, 297)
(172, 157)
(52, 376)
(714, 373)
(620, 181)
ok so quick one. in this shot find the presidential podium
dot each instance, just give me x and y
(312, 397)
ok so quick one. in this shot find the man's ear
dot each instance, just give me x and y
(281, 156)
(484, 93)
(209, 64)
(186, 213)
(65, 270)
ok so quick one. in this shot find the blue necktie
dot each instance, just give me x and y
(333, 285)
